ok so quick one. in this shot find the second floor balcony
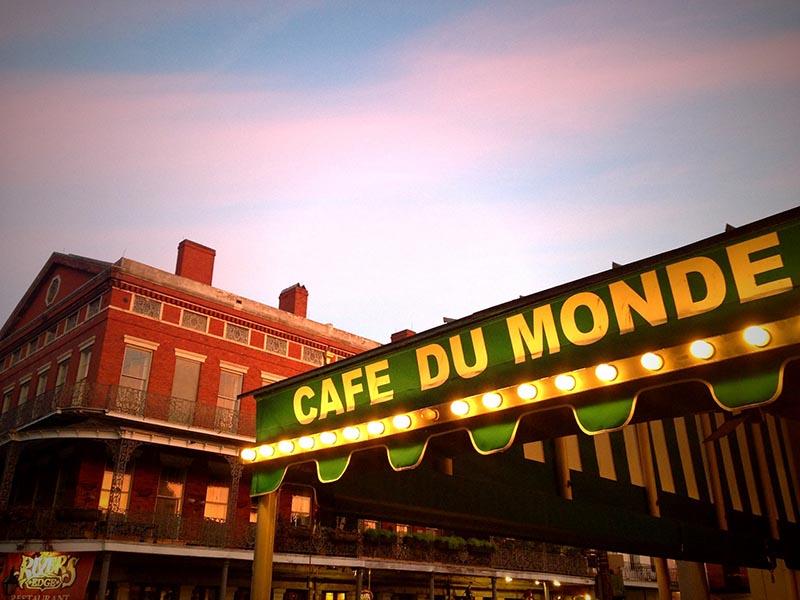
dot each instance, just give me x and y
(127, 402)
(24, 523)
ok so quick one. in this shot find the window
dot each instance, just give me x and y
(216, 502)
(61, 374)
(41, 383)
(253, 513)
(83, 364)
(402, 529)
(16, 355)
(72, 322)
(105, 491)
(169, 498)
(301, 510)
(50, 335)
(52, 290)
(237, 333)
(186, 380)
(7, 395)
(93, 308)
(135, 368)
(24, 388)
(147, 307)
(230, 386)
(367, 524)
(194, 320)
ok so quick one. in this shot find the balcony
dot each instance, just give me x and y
(127, 401)
(24, 523)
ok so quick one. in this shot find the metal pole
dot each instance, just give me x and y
(562, 468)
(101, 589)
(261, 586)
(359, 582)
(432, 588)
(223, 584)
(646, 458)
(494, 588)
(546, 591)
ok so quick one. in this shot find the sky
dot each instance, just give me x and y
(405, 161)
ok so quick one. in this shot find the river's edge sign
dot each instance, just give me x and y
(592, 345)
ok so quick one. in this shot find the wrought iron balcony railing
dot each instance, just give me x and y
(127, 401)
(24, 523)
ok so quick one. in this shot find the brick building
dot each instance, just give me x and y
(120, 433)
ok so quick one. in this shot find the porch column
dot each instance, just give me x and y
(562, 468)
(233, 496)
(432, 587)
(261, 586)
(494, 588)
(646, 458)
(104, 568)
(713, 473)
(9, 467)
(359, 582)
(223, 584)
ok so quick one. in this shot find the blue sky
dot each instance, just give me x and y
(406, 161)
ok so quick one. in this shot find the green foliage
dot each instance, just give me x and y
(418, 539)
(380, 536)
(480, 546)
(451, 542)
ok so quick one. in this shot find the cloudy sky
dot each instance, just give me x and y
(406, 161)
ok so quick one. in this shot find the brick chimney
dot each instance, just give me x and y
(294, 299)
(401, 335)
(195, 261)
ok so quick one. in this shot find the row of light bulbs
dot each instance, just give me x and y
(652, 362)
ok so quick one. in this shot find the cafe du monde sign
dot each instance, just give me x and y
(699, 312)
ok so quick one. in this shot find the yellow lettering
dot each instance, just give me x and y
(330, 400)
(529, 341)
(746, 270)
(462, 368)
(303, 417)
(426, 379)
(599, 318)
(376, 379)
(351, 388)
(650, 307)
(685, 304)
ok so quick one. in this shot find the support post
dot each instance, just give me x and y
(646, 458)
(10, 465)
(432, 588)
(546, 591)
(359, 582)
(223, 584)
(766, 482)
(261, 585)
(562, 468)
(713, 473)
(494, 588)
(104, 569)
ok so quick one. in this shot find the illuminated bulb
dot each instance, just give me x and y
(652, 361)
(266, 450)
(565, 382)
(459, 408)
(702, 349)
(402, 421)
(430, 414)
(527, 391)
(536, 582)
(351, 433)
(248, 454)
(327, 438)
(286, 446)
(375, 428)
(605, 372)
(757, 336)
(492, 400)
(509, 579)
(306, 442)
(587, 596)
(556, 583)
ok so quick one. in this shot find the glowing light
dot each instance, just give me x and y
(286, 446)
(527, 391)
(509, 579)
(248, 454)
(430, 414)
(492, 400)
(556, 583)
(701, 349)
(652, 361)
(327, 438)
(375, 428)
(402, 421)
(536, 582)
(459, 408)
(757, 336)
(266, 450)
(606, 372)
(565, 382)
(306, 442)
(587, 596)
(351, 433)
